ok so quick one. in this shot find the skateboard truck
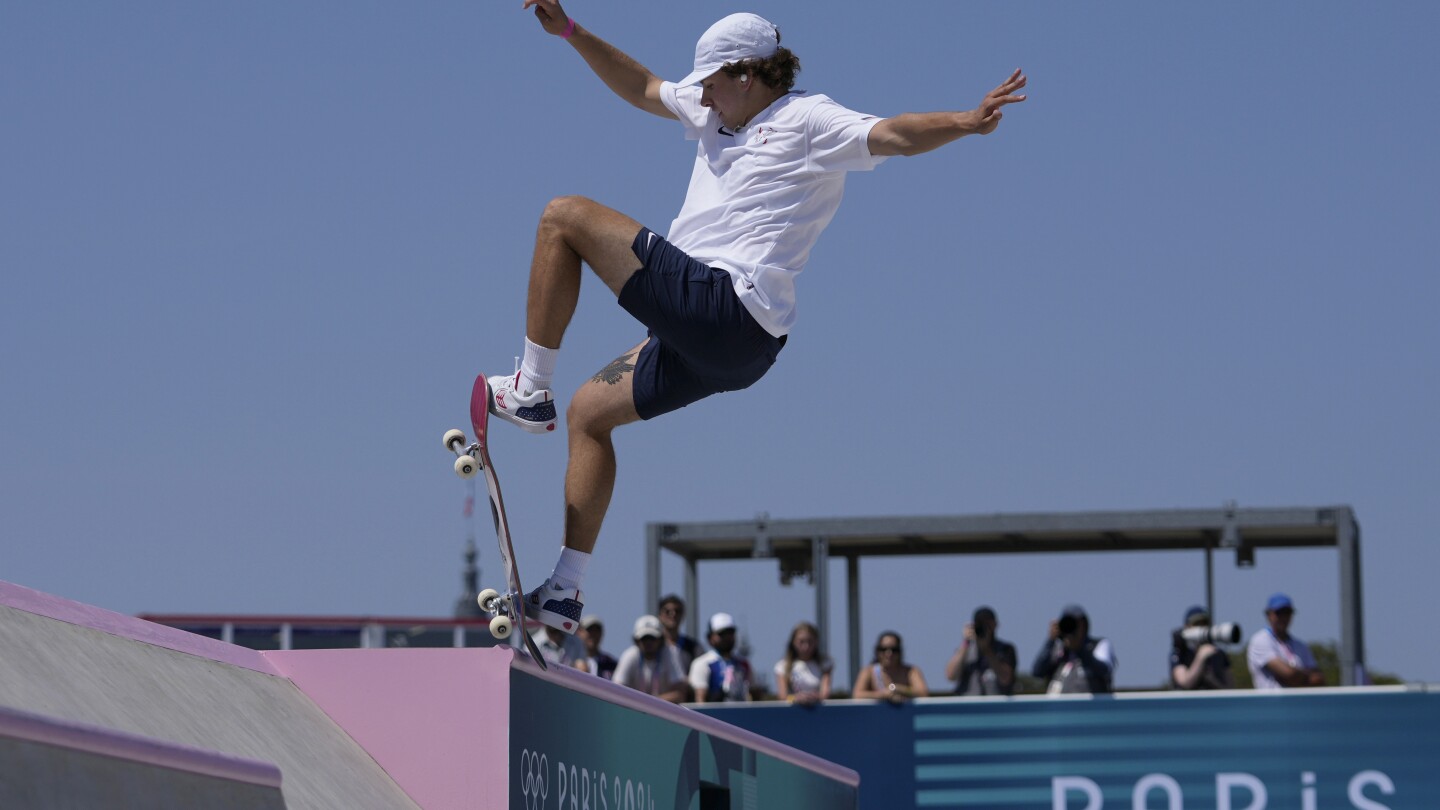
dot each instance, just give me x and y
(467, 460)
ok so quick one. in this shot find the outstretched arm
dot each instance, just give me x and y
(626, 77)
(917, 133)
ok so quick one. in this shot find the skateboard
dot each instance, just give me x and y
(507, 609)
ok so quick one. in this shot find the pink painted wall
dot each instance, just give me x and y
(437, 720)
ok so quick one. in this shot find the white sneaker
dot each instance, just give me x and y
(535, 412)
(555, 606)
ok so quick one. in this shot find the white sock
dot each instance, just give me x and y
(570, 570)
(537, 367)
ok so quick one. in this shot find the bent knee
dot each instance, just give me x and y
(565, 211)
(577, 416)
(585, 413)
(598, 408)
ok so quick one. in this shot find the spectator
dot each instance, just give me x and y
(1202, 666)
(650, 665)
(983, 664)
(803, 675)
(1278, 660)
(1071, 661)
(597, 661)
(888, 676)
(558, 647)
(719, 675)
(672, 613)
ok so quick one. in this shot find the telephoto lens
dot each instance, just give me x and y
(1227, 633)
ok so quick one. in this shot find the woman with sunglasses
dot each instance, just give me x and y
(888, 676)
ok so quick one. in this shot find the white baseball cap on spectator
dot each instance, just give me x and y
(721, 622)
(647, 625)
(733, 39)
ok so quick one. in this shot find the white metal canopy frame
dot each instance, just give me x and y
(804, 548)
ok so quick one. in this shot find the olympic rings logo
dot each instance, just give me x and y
(534, 778)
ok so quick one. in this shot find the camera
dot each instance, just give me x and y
(1227, 633)
(1068, 624)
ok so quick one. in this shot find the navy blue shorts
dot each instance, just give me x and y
(702, 339)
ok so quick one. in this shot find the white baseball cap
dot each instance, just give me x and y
(647, 625)
(721, 622)
(732, 39)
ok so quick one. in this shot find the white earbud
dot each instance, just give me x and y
(744, 78)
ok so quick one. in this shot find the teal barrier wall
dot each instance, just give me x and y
(1366, 749)
(572, 751)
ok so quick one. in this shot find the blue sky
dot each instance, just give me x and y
(254, 254)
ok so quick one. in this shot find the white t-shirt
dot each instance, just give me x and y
(760, 197)
(650, 677)
(1264, 647)
(804, 675)
(570, 650)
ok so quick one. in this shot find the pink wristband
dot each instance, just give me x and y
(569, 29)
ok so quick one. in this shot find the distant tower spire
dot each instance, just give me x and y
(467, 607)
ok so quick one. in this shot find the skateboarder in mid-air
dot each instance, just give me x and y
(717, 294)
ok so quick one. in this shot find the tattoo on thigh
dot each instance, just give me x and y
(611, 373)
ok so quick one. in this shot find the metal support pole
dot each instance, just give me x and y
(820, 565)
(852, 618)
(1352, 624)
(652, 567)
(692, 601)
(1210, 580)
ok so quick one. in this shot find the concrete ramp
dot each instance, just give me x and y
(94, 703)
(48, 763)
(72, 664)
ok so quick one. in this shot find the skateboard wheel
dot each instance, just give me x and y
(500, 627)
(489, 600)
(466, 467)
(452, 438)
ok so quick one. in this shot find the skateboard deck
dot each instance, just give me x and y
(507, 608)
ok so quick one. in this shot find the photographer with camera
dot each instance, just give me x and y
(1073, 662)
(983, 664)
(1195, 660)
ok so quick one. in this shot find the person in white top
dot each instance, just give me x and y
(651, 665)
(717, 296)
(1277, 659)
(557, 647)
(803, 675)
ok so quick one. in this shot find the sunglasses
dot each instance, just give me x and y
(887, 649)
